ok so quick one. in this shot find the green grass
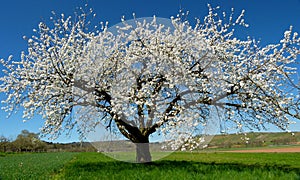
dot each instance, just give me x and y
(32, 165)
(286, 161)
(187, 166)
(131, 156)
(213, 165)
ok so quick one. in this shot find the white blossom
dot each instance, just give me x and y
(154, 78)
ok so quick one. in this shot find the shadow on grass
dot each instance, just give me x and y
(182, 166)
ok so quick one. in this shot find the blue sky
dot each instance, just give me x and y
(268, 20)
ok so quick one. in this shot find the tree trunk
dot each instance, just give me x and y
(143, 153)
(140, 138)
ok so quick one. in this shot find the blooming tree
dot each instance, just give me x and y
(147, 77)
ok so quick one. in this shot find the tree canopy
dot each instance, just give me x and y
(148, 77)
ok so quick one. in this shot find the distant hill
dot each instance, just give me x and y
(257, 139)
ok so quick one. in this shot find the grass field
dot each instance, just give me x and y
(32, 166)
(177, 166)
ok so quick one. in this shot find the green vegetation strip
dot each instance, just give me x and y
(32, 165)
(187, 166)
(176, 166)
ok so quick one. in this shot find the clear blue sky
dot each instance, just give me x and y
(268, 20)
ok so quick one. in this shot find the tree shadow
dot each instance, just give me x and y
(183, 166)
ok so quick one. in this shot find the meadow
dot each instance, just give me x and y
(179, 165)
(32, 165)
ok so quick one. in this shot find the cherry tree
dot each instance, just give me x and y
(146, 78)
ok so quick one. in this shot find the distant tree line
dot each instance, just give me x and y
(30, 142)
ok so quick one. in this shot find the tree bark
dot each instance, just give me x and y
(140, 137)
(143, 153)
